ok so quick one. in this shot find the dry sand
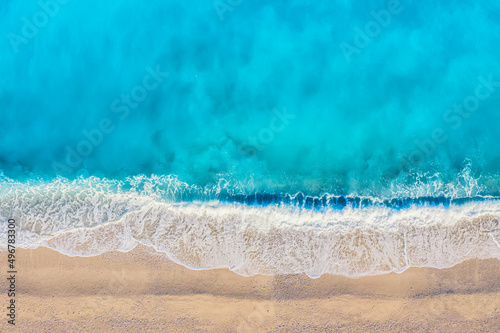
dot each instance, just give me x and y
(143, 291)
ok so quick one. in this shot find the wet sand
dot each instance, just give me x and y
(143, 291)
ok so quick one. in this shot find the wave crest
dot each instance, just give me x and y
(91, 216)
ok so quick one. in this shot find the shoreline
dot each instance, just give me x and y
(120, 290)
(140, 248)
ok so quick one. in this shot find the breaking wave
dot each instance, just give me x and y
(259, 233)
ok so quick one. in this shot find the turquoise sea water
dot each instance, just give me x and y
(350, 137)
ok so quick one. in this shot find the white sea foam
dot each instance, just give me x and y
(92, 216)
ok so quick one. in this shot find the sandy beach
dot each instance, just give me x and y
(143, 291)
